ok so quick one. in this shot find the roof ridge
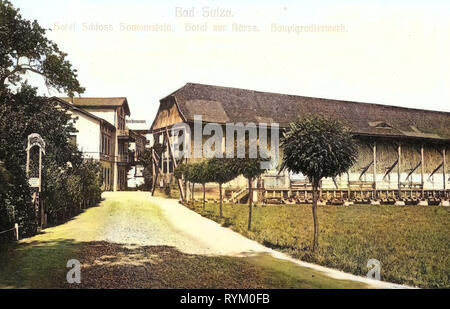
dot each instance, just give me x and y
(92, 97)
(315, 98)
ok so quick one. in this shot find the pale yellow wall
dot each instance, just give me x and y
(109, 115)
(88, 135)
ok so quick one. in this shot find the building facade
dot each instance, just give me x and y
(140, 131)
(102, 135)
(403, 153)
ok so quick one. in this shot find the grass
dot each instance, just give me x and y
(40, 261)
(107, 265)
(412, 242)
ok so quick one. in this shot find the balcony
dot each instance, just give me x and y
(122, 158)
(131, 157)
(123, 134)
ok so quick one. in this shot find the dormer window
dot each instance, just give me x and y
(380, 125)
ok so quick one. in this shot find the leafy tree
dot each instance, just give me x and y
(5, 178)
(185, 170)
(25, 48)
(195, 173)
(24, 113)
(318, 147)
(147, 162)
(250, 168)
(220, 170)
(89, 172)
(200, 174)
(72, 189)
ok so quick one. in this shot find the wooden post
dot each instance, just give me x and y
(158, 171)
(375, 170)
(40, 170)
(28, 161)
(348, 186)
(16, 227)
(422, 170)
(153, 170)
(174, 164)
(443, 171)
(399, 150)
(320, 190)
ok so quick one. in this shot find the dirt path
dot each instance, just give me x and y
(223, 241)
(133, 240)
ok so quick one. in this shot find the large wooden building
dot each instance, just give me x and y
(403, 152)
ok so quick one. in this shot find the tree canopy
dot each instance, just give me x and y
(24, 47)
(318, 147)
(69, 181)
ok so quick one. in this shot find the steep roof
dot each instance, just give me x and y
(82, 111)
(224, 104)
(100, 102)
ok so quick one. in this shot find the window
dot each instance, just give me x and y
(103, 144)
(73, 140)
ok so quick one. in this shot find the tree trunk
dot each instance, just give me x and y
(316, 221)
(204, 197)
(220, 202)
(192, 195)
(250, 200)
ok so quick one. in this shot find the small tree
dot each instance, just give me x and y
(194, 173)
(220, 171)
(200, 174)
(318, 147)
(146, 160)
(250, 168)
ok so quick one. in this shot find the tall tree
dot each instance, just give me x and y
(24, 47)
(5, 178)
(21, 114)
(318, 147)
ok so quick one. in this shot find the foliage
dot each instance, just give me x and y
(250, 168)
(411, 242)
(197, 172)
(64, 169)
(5, 178)
(68, 191)
(318, 147)
(25, 48)
(147, 162)
(167, 190)
(220, 171)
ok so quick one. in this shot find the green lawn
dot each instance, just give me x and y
(106, 265)
(40, 261)
(412, 243)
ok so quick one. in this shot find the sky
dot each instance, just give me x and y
(386, 52)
